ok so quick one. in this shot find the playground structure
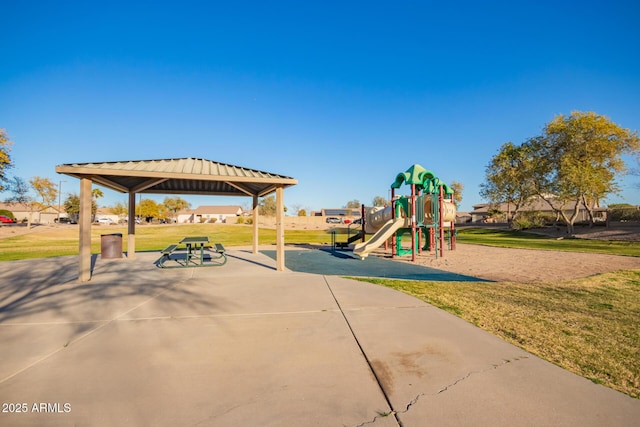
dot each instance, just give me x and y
(429, 211)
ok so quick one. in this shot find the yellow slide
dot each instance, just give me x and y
(387, 230)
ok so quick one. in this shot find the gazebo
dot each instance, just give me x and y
(187, 176)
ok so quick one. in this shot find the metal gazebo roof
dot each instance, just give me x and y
(178, 176)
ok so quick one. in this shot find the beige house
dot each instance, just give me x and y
(219, 214)
(24, 212)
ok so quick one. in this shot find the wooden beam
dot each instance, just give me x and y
(85, 230)
(107, 183)
(255, 224)
(131, 227)
(148, 183)
(280, 228)
(239, 187)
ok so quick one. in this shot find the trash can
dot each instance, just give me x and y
(111, 246)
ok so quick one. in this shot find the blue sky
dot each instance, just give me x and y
(342, 96)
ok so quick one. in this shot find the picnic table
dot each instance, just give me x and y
(193, 244)
(194, 253)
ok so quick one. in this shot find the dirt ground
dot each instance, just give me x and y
(522, 265)
(530, 265)
(502, 264)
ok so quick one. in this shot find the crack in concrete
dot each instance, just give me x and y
(493, 367)
(377, 417)
(415, 400)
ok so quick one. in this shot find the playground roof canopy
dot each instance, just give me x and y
(189, 176)
(423, 179)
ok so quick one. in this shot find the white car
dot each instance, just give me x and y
(105, 221)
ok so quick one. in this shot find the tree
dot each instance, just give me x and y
(96, 194)
(299, 210)
(72, 206)
(148, 208)
(379, 201)
(175, 205)
(573, 163)
(509, 178)
(353, 204)
(46, 190)
(577, 160)
(5, 158)
(19, 191)
(120, 209)
(457, 188)
(267, 206)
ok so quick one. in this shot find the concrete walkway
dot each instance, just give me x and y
(244, 345)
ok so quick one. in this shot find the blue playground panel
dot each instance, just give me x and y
(344, 264)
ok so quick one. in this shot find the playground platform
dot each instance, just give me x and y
(246, 345)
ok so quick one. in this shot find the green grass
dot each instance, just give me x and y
(518, 239)
(588, 326)
(64, 240)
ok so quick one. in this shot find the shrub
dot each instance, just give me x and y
(624, 214)
(240, 220)
(7, 213)
(533, 219)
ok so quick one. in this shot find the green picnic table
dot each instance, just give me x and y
(193, 244)
(194, 253)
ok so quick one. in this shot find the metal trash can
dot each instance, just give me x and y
(111, 246)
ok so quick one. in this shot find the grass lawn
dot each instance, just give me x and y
(516, 239)
(60, 241)
(588, 326)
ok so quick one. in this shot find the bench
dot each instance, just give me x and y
(221, 258)
(166, 254)
(169, 249)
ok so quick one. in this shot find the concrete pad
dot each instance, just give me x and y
(434, 366)
(243, 344)
(251, 370)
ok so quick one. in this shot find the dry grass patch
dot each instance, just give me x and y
(588, 326)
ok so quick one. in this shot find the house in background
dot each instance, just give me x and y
(217, 214)
(348, 212)
(484, 212)
(23, 212)
(463, 217)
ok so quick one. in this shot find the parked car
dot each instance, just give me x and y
(6, 220)
(333, 220)
(105, 221)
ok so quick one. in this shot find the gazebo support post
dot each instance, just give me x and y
(255, 224)
(85, 230)
(131, 227)
(279, 228)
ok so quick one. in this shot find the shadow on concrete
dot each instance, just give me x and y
(34, 289)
